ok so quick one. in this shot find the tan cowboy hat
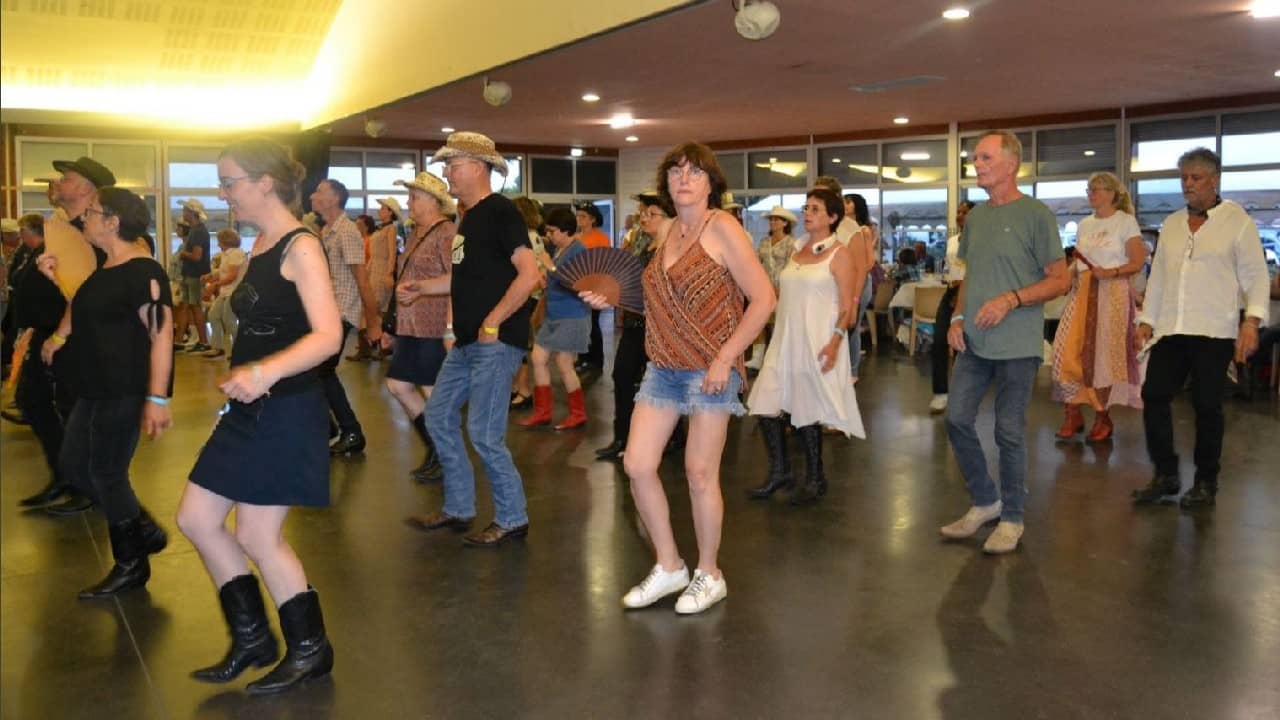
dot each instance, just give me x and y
(9, 225)
(196, 207)
(431, 185)
(780, 212)
(728, 203)
(473, 145)
(393, 205)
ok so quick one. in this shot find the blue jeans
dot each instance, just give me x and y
(478, 375)
(1013, 381)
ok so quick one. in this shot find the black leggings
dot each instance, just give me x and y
(45, 398)
(101, 436)
(628, 370)
(940, 352)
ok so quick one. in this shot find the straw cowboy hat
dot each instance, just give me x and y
(728, 203)
(431, 185)
(472, 145)
(393, 205)
(780, 212)
(196, 207)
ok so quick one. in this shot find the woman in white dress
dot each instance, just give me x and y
(806, 367)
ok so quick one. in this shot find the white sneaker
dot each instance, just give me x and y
(657, 585)
(938, 404)
(1004, 539)
(972, 520)
(701, 594)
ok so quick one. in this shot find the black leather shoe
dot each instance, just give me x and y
(495, 535)
(1202, 494)
(436, 521)
(349, 444)
(612, 451)
(14, 417)
(73, 505)
(49, 494)
(1160, 487)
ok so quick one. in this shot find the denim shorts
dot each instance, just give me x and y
(681, 390)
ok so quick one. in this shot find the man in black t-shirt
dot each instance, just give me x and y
(494, 272)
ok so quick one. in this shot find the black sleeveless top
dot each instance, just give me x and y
(271, 315)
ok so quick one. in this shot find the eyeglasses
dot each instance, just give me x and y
(689, 172)
(92, 211)
(227, 183)
(654, 215)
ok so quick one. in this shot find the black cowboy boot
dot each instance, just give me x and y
(775, 443)
(430, 469)
(251, 640)
(815, 485)
(308, 653)
(131, 569)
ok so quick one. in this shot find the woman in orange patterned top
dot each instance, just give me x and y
(695, 334)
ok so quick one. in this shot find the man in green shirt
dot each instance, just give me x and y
(1014, 257)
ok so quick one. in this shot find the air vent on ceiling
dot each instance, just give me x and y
(897, 84)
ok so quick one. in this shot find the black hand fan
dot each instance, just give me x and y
(611, 272)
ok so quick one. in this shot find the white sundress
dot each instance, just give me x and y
(791, 379)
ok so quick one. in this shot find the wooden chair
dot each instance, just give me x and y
(880, 306)
(924, 310)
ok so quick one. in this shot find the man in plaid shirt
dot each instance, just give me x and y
(345, 251)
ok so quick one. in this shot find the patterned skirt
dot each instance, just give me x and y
(1094, 361)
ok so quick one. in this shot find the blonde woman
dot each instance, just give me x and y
(1094, 360)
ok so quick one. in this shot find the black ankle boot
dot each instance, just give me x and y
(308, 653)
(775, 444)
(1201, 494)
(251, 640)
(350, 443)
(154, 538)
(429, 470)
(815, 485)
(131, 569)
(1160, 487)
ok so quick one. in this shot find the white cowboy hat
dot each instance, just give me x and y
(431, 185)
(393, 205)
(780, 212)
(473, 145)
(196, 207)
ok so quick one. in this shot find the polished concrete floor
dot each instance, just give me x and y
(850, 609)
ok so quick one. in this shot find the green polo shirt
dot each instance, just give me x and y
(1007, 247)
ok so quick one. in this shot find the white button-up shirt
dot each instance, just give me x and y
(1199, 280)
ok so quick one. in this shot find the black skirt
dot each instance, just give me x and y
(416, 360)
(272, 451)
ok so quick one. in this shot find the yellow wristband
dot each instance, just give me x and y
(490, 330)
(57, 339)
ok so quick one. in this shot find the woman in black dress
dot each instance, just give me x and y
(267, 452)
(122, 324)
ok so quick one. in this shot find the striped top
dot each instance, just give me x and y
(690, 310)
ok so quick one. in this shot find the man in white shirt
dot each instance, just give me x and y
(1208, 258)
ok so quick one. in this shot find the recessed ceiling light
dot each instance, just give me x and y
(914, 156)
(956, 13)
(407, 166)
(1265, 9)
(902, 120)
(835, 160)
(964, 153)
(1278, 73)
(632, 138)
(575, 152)
(621, 120)
(1090, 153)
(446, 129)
(590, 97)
